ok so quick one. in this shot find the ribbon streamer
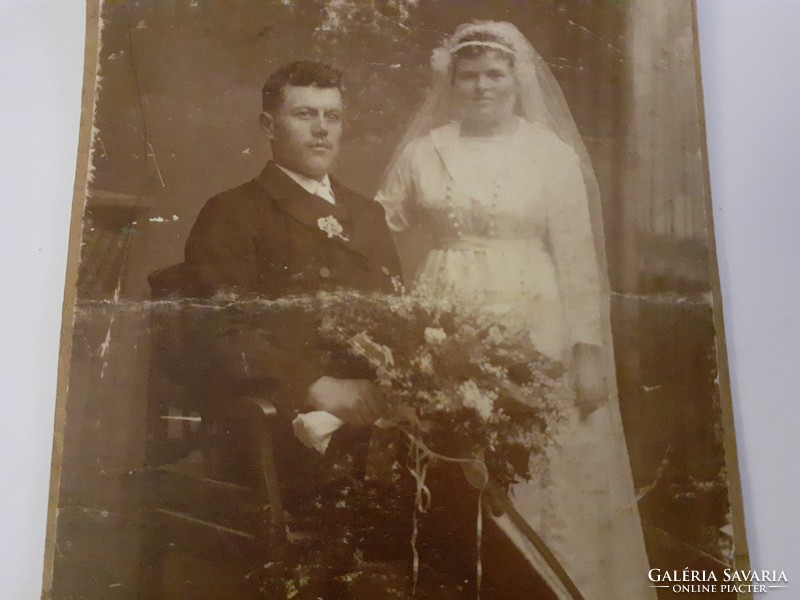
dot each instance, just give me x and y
(422, 457)
(479, 536)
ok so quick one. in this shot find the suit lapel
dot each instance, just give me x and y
(362, 229)
(319, 215)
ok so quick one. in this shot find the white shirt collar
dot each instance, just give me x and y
(321, 189)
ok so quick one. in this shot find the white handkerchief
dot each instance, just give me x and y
(315, 429)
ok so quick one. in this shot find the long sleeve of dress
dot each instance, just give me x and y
(398, 192)
(571, 241)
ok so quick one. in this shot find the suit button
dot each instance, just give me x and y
(325, 272)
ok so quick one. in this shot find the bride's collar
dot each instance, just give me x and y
(507, 130)
(447, 138)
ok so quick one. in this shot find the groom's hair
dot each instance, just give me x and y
(300, 73)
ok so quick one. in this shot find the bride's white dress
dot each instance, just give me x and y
(512, 231)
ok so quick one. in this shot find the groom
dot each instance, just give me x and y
(292, 230)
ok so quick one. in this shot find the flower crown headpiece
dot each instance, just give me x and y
(503, 39)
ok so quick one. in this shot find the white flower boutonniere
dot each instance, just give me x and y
(331, 227)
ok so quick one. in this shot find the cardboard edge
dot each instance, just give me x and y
(741, 556)
(80, 189)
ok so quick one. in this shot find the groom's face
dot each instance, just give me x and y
(305, 129)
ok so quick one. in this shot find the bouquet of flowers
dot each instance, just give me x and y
(461, 385)
(458, 385)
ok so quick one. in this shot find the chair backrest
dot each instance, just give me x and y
(194, 503)
(170, 417)
(174, 291)
(177, 281)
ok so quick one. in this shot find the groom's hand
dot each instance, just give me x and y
(354, 401)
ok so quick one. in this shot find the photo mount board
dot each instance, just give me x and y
(665, 260)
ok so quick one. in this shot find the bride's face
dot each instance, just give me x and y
(486, 87)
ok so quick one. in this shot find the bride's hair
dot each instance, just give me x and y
(478, 43)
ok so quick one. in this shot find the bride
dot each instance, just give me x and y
(493, 165)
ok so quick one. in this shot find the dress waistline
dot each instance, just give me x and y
(479, 243)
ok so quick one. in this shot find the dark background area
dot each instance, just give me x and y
(176, 122)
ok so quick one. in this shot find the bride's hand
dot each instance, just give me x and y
(592, 386)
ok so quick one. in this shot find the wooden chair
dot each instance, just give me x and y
(200, 504)
(211, 491)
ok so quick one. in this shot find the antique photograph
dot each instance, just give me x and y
(393, 299)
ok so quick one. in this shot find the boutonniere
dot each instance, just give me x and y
(332, 228)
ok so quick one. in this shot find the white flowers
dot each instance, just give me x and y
(331, 227)
(495, 335)
(435, 335)
(440, 59)
(482, 401)
(425, 362)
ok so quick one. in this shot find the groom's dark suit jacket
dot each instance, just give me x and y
(263, 239)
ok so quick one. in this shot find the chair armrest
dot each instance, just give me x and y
(263, 408)
(266, 408)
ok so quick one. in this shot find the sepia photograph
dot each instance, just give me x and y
(394, 299)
